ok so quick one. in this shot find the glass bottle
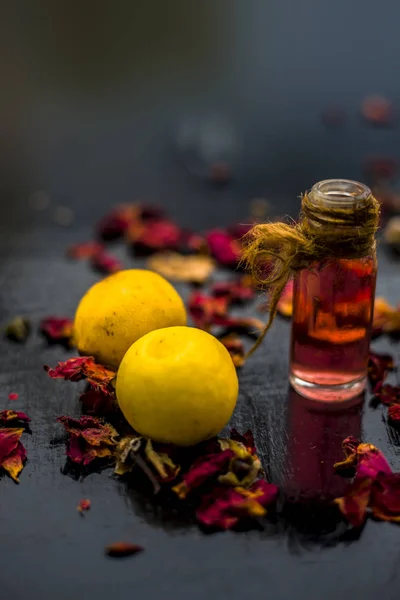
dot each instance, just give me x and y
(333, 304)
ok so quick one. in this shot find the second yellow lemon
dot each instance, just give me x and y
(177, 385)
(118, 310)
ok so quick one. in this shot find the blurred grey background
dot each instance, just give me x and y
(106, 102)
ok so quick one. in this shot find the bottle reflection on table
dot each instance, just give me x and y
(315, 438)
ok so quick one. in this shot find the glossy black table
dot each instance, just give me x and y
(47, 550)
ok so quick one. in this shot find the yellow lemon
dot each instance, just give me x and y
(118, 310)
(177, 385)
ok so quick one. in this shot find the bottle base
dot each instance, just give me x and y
(329, 394)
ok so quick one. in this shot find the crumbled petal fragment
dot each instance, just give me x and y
(235, 347)
(18, 329)
(120, 549)
(57, 329)
(224, 247)
(236, 290)
(13, 396)
(163, 465)
(394, 414)
(7, 416)
(385, 497)
(379, 366)
(12, 452)
(106, 263)
(90, 438)
(366, 459)
(83, 367)
(98, 401)
(84, 250)
(387, 394)
(84, 505)
(353, 505)
(202, 470)
(285, 303)
(225, 506)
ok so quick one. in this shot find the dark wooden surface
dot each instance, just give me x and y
(95, 121)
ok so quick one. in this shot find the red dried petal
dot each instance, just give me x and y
(236, 290)
(380, 168)
(385, 497)
(377, 110)
(106, 263)
(207, 310)
(203, 469)
(14, 462)
(378, 367)
(394, 414)
(119, 549)
(57, 329)
(224, 248)
(117, 222)
(98, 401)
(285, 303)
(235, 347)
(224, 507)
(12, 452)
(83, 367)
(9, 439)
(84, 505)
(11, 415)
(71, 369)
(155, 235)
(247, 439)
(367, 460)
(353, 505)
(84, 250)
(12, 396)
(90, 438)
(387, 394)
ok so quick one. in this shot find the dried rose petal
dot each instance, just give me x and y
(202, 470)
(84, 505)
(285, 303)
(377, 110)
(57, 329)
(385, 497)
(97, 400)
(394, 414)
(366, 459)
(18, 329)
(224, 248)
(177, 267)
(106, 263)
(244, 468)
(12, 452)
(381, 168)
(235, 347)
(155, 235)
(11, 415)
(236, 290)
(83, 367)
(378, 367)
(120, 549)
(387, 394)
(71, 369)
(13, 396)
(247, 439)
(353, 505)
(206, 310)
(117, 222)
(162, 463)
(90, 438)
(386, 318)
(224, 507)
(84, 250)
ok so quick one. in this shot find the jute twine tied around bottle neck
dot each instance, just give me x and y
(322, 232)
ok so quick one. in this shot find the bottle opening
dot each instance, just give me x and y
(340, 192)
